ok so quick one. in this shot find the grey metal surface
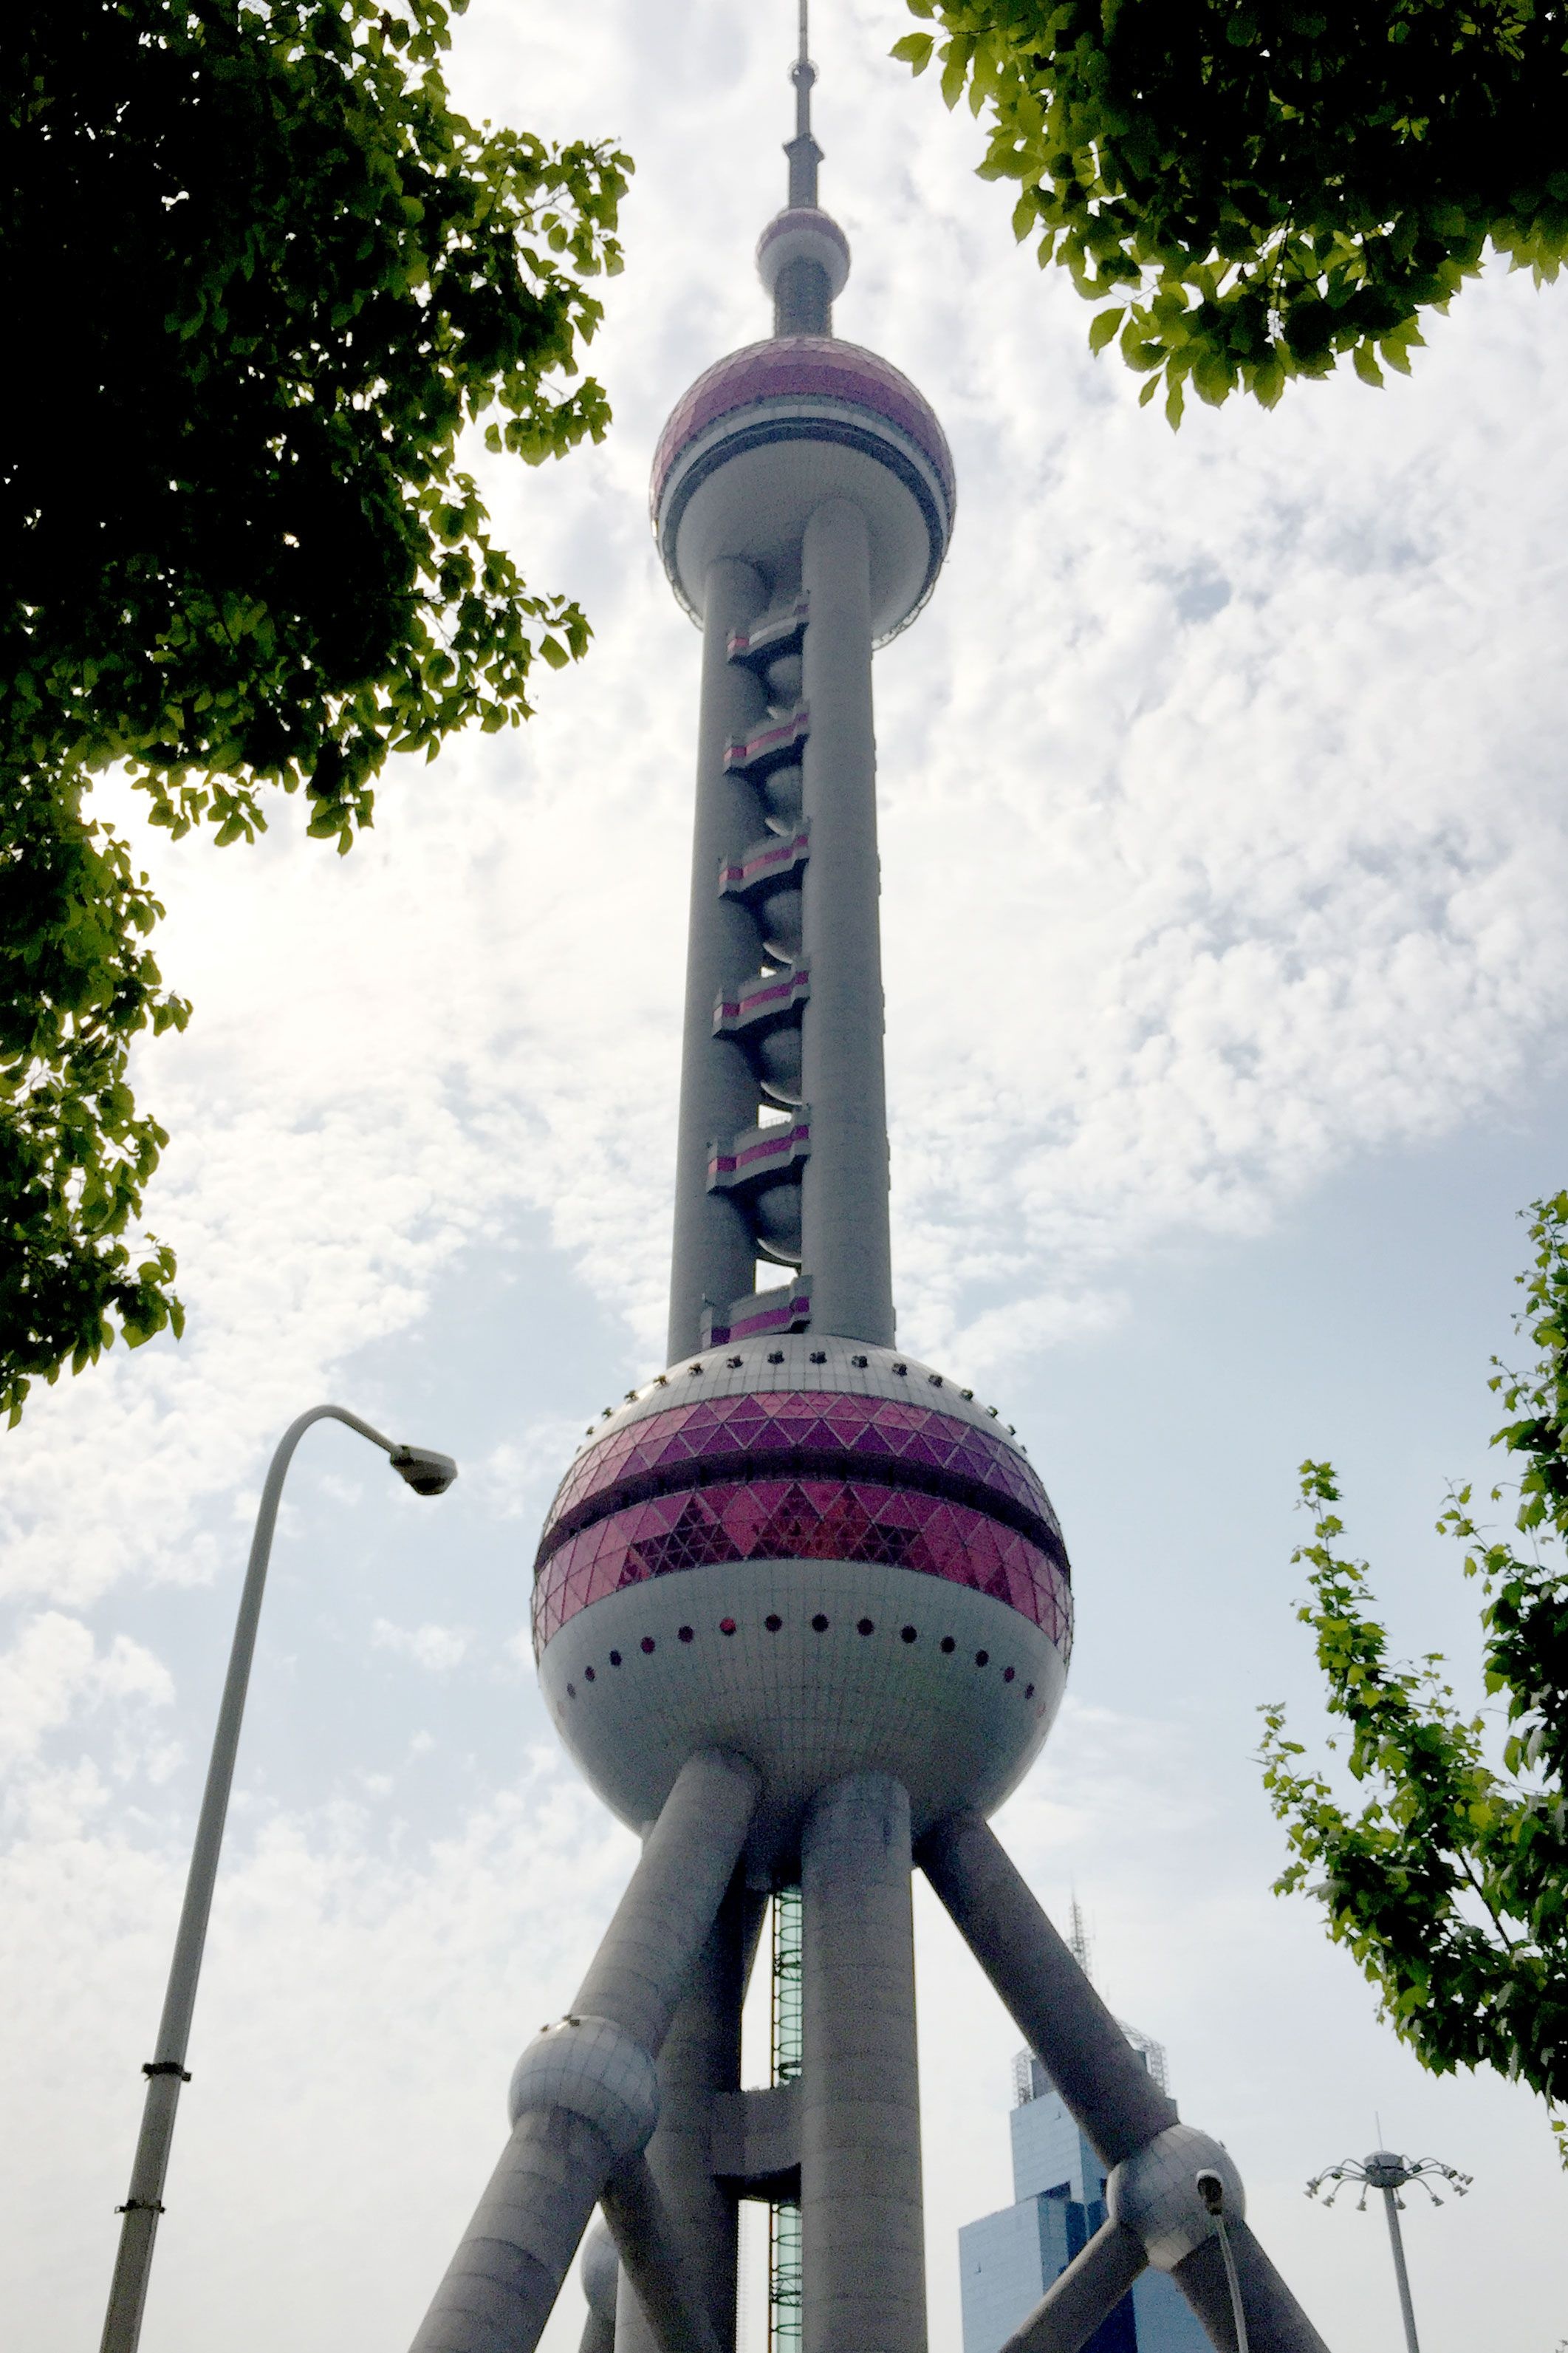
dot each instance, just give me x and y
(427, 1473)
(1154, 2193)
(504, 2278)
(861, 2219)
(662, 2268)
(1080, 2298)
(713, 1254)
(844, 1186)
(1397, 2241)
(1104, 2084)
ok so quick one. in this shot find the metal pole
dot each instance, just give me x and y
(166, 2072)
(1238, 2308)
(1395, 2240)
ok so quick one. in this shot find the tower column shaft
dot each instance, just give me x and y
(843, 1207)
(701, 2059)
(714, 1256)
(862, 2232)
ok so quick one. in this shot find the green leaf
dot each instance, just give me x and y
(914, 49)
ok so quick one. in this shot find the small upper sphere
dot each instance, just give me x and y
(803, 233)
(768, 434)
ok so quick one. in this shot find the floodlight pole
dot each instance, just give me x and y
(427, 1474)
(1386, 2170)
(1397, 2241)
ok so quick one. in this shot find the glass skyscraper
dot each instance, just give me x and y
(1006, 2260)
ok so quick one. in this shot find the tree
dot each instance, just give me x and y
(1250, 189)
(264, 279)
(1450, 1885)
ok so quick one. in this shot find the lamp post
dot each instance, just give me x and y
(429, 1474)
(1389, 2172)
(1211, 2189)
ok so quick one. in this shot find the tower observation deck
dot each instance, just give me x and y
(802, 1607)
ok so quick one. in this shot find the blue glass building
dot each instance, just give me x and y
(1006, 2260)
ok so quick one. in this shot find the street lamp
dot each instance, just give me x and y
(429, 1474)
(1388, 2172)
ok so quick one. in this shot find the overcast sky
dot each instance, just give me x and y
(1224, 865)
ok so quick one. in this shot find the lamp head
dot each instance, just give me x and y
(421, 1468)
(1211, 2189)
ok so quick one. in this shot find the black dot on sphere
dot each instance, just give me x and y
(1006, 1674)
(570, 1691)
(687, 1635)
(948, 1644)
(866, 1626)
(906, 1633)
(726, 1625)
(819, 1624)
(982, 1658)
(648, 1641)
(773, 1623)
(588, 1673)
(1028, 1691)
(614, 1658)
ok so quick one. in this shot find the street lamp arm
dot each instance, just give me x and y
(427, 1472)
(179, 2002)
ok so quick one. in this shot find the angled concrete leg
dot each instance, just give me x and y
(862, 2240)
(656, 2263)
(701, 2060)
(1087, 2293)
(585, 2093)
(601, 2275)
(1154, 2158)
(1274, 2318)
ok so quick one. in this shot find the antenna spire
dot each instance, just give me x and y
(802, 151)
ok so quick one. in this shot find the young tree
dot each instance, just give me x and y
(1449, 1883)
(258, 277)
(1250, 189)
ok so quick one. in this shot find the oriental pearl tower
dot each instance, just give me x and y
(802, 1607)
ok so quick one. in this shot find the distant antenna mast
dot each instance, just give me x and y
(1079, 1941)
(802, 151)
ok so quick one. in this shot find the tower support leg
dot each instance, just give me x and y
(701, 2059)
(585, 2093)
(863, 2251)
(1087, 2293)
(1152, 2157)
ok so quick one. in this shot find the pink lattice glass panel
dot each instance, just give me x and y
(802, 1519)
(723, 1430)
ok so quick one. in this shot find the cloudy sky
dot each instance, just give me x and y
(1225, 862)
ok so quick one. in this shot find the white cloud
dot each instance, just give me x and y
(437, 1649)
(55, 1672)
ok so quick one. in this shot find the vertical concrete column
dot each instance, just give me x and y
(701, 2058)
(714, 1256)
(845, 1199)
(863, 2247)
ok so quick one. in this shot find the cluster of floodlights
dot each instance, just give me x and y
(1391, 2173)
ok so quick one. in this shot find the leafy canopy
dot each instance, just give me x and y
(1250, 189)
(264, 278)
(1449, 1885)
